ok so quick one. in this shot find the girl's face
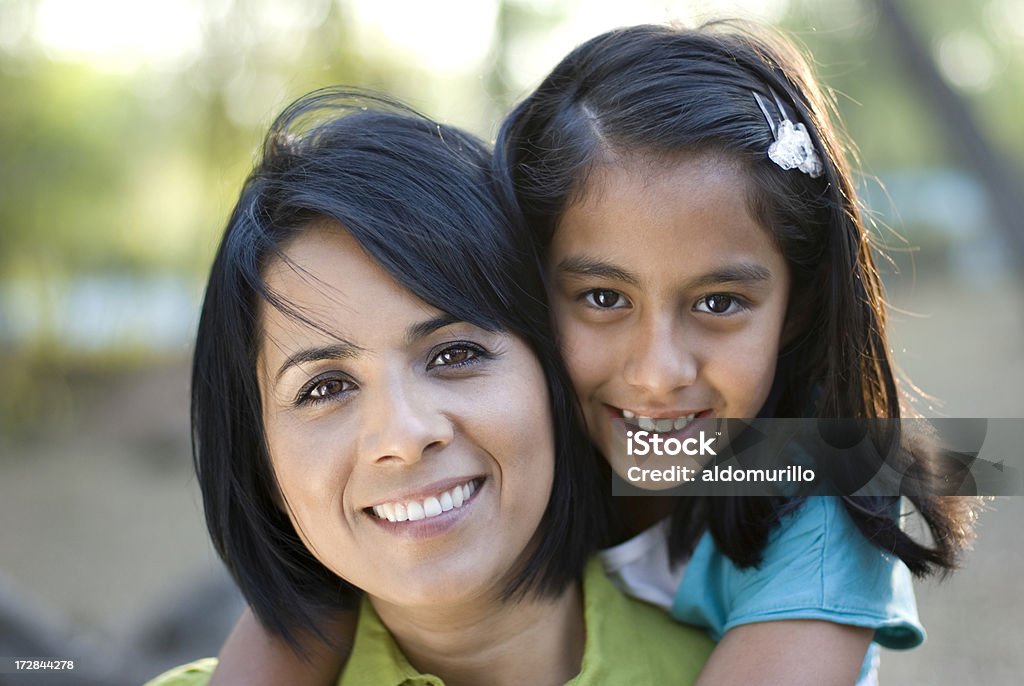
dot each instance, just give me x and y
(414, 452)
(669, 299)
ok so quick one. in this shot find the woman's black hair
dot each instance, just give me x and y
(657, 93)
(418, 197)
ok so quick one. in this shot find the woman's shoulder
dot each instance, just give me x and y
(196, 673)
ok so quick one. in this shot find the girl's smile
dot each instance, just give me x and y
(413, 452)
(669, 298)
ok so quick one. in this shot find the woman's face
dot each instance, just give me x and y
(414, 452)
(669, 300)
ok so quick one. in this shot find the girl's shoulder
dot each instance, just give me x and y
(815, 565)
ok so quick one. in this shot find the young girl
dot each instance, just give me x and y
(375, 414)
(707, 258)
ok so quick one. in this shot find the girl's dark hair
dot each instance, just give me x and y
(660, 93)
(417, 196)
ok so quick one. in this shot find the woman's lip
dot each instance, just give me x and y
(421, 493)
(429, 527)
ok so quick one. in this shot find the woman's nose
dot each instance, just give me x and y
(660, 361)
(402, 423)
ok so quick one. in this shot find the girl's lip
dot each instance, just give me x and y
(618, 412)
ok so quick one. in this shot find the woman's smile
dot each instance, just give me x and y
(412, 508)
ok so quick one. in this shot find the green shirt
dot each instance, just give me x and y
(628, 642)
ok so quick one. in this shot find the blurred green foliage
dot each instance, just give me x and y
(134, 170)
(883, 108)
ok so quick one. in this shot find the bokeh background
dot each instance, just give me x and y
(127, 127)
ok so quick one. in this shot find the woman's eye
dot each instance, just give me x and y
(455, 356)
(718, 303)
(605, 299)
(325, 389)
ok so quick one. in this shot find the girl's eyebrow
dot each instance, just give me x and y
(741, 273)
(589, 266)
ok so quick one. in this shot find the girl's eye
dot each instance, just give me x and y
(605, 299)
(457, 355)
(719, 303)
(324, 389)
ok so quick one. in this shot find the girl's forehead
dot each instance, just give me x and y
(690, 214)
(645, 168)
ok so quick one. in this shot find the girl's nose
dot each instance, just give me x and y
(659, 361)
(402, 425)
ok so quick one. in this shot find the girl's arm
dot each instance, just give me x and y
(255, 657)
(798, 652)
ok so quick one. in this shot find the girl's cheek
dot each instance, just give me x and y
(584, 352)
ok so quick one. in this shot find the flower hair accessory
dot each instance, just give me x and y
(792, 148)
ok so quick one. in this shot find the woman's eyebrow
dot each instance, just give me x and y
(342, 350)
(429, 326)
(742, 273)
(589, 266)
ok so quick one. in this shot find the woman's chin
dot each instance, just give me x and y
(437, 590)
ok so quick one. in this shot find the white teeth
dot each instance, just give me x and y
(415, 510)
(432, 507)
(660, 424)
(682, 422)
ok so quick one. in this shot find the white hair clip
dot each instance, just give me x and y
(792, 148)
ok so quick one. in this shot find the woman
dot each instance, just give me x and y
(378, 412)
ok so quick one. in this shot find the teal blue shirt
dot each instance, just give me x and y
(817, 565)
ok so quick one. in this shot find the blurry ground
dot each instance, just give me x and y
(100, 522)
(102, 528)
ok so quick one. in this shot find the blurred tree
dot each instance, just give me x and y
(979, 153)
